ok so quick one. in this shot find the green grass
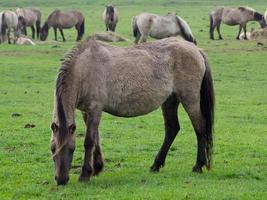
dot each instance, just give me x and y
(239, 68)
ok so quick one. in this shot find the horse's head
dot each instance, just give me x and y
(110, 11)
(62, 147)
(44, 32)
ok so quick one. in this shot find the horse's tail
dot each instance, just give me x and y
(185, 30)
(136, 31)
(207, 102)
(82, 29)
(211, 25)
(3, 26)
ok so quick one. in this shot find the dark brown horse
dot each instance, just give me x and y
(110, 17)
(63, 20)
(129, 82)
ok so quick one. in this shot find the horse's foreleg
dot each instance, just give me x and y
(245, 32)
(77, 26)
(38, 27)
(33, 32)
(62, 34)
(98, 156)
(92, 123)
(55, 31)
(192, 107)
(172, 127)
(240, 29)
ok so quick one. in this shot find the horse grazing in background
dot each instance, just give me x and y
(234, 16)
(158, 27)
(31, 17)
(110, 17)
(10, 22)
(95, 78)
(265, 16)
(63, 20)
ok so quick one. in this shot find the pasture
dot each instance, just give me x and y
(27, 75)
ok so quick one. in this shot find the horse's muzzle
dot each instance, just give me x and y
(62, 180)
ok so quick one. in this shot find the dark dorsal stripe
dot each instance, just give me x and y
(110, 12)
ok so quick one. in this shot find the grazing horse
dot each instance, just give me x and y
(63, 20)
(265, 16)
(31, 16)
(159, 27)
(233, 16)
(9, 21)
(96, 77)
(110, 17)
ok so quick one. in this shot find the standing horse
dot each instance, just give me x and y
(1, 36)
(31, 16)
(129, 82)
(265, 16)
(233, 16)
(110, 17)
(9, 22)
(63, 20)
(158, 27)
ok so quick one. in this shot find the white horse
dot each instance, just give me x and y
(1, 37)
(158, 27)
(23, 40)
(9, 21)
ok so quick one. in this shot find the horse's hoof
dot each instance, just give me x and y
(98, 168)
(197, 169)
(154, 169)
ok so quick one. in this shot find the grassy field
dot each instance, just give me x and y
(27, 75)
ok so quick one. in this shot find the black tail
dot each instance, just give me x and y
(136, 31)
(184, 33)
(3, 26)
(207, 102)
(81, 32)
(211, 28)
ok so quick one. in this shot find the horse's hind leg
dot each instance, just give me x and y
(33, 32)
(245, 32)
(192, 107)
(8, 36)
(62, 34)
(92, 123)
(172, 127)
(38, 28)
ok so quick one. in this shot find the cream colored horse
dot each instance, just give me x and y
(9, 23)
(233, 16)
(158, 27)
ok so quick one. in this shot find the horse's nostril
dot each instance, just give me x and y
(55, 178)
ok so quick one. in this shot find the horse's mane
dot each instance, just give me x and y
(66, 65)
(243, 8)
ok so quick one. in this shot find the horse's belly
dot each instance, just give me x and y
(136, 105)
(163, 31)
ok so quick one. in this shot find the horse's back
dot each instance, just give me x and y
(10, 19)
(66, 19)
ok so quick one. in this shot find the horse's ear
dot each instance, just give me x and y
(72, 128)
(54, 127)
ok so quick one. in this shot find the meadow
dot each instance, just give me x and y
(27, 78)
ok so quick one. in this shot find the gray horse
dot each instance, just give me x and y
(127, 82)
(110, 17)
(158, 27)
(234, 16)
(63, 20)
